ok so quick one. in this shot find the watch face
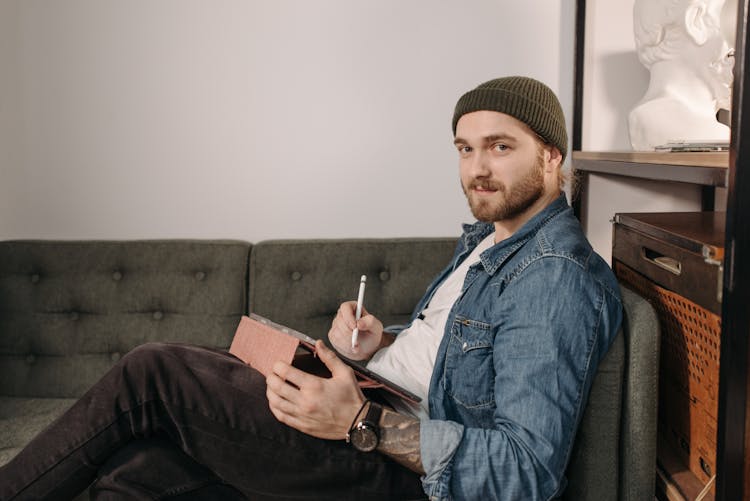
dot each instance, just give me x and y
(364, 437)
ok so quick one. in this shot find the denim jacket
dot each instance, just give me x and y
(517, 359)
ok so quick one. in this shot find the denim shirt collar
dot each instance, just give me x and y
(493, 258)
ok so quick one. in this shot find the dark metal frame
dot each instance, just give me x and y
(579, 182)
(580, 44)
(732, 447)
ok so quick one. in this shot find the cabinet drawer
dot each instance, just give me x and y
(693, 275)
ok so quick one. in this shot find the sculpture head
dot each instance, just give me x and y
(696, 34)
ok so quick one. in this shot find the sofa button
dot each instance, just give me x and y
(73, 315)
(384, 276)
(199, 276)
(115, 356)
(158, 315)
(296, 276)
(35, 278)
(30, 359)
(117, 276)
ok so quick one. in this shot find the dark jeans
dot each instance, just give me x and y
(169, 419)
(138, 470)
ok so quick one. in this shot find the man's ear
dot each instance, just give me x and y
(553, 157)
(695, 22)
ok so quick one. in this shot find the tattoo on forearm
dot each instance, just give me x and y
(399, 439)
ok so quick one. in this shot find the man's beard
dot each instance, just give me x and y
(512, 202)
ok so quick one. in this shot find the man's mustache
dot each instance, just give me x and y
(487, 184)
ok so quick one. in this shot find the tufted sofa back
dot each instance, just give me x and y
(301, 283)
(69, 309)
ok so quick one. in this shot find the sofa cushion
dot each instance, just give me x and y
(301, 283)
(593, 471)
(22, 418)
(69, 310)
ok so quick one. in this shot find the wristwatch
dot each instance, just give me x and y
(365, 435)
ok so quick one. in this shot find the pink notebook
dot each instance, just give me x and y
(260, 343)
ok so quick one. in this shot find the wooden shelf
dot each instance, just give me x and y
(708, 169)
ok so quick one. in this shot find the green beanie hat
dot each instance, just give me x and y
(523, 98)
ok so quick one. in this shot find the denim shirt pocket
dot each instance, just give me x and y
(469, 371)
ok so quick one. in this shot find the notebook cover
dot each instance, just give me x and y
(260, 345)
(260, 342)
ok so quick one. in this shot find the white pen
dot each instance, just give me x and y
(358, 311)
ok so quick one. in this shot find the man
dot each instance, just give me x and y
(503, 347)
(687, 46)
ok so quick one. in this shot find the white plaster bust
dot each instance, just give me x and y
(687, 47)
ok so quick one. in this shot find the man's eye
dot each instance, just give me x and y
(464, 149)
(500, 147)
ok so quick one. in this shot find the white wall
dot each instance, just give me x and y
(250, 119)
(614, 82)
(10, 161)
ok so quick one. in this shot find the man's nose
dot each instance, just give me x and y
(479, 165)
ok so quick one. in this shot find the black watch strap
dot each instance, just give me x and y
(365, 433)
(373, 415)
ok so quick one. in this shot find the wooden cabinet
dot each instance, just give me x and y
(674, 260)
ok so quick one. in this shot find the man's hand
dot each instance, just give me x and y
(370, 332)
(321, 407)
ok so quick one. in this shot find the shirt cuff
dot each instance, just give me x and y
(438, 443)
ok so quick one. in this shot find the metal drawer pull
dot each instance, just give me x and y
(664, 262)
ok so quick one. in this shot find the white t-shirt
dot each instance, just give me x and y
(409, 361)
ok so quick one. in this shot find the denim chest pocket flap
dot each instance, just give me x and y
(469, 371)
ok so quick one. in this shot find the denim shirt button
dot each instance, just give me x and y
(465, 346)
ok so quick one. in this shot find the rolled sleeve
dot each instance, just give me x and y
(438, 443)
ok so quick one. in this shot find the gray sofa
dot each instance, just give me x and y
(70, 309)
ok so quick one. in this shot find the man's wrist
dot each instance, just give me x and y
(386, 339)
(364, 433)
